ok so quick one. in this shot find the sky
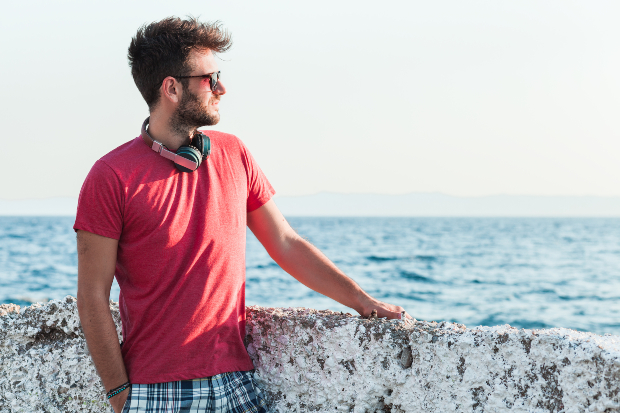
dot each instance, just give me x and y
(463, 98)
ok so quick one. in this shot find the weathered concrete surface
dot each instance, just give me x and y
(308, 360)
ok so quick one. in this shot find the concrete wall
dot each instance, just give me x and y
(308, 360)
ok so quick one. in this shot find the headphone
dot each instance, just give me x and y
(188, 157)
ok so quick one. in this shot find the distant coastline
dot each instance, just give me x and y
(441, 205)
(381, 205)
(59, 206)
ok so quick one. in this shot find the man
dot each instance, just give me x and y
(174, 237)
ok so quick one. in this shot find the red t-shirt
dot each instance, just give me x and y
(181, 254)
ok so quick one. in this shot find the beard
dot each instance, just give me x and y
(192, 114)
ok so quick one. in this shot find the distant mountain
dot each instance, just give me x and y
(39, 207)
(435, 204)
(416, 204)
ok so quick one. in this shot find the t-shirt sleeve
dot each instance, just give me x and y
(100, 205)
(259, 189)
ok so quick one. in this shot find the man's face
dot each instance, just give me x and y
(199, 106)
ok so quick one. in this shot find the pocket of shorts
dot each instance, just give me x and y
(127, 404)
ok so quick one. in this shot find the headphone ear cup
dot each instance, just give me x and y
(191, 153)
(197, 142)
(203, 144)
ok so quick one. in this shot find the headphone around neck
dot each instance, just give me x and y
(188, 157)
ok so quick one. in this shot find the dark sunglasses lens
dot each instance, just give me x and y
(215, 77)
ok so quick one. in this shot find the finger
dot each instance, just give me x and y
(393, 315)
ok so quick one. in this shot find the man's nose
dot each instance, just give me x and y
(219, 89)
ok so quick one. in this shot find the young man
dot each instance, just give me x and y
(173, 234)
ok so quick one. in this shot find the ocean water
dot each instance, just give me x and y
(526, 272)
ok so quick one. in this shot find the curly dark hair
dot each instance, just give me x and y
(162, 49)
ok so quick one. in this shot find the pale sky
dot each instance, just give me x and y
(465, 98)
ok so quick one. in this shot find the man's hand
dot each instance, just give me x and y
(309, 266)
(118, 401)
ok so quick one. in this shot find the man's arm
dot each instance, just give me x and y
(309, 266)
(96, 264)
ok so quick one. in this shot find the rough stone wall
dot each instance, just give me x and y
(44, 362)
(308, 360)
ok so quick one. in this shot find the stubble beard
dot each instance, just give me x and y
(192, 114)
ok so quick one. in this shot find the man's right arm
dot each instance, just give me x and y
(96, 264)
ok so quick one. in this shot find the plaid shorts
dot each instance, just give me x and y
(233, 392)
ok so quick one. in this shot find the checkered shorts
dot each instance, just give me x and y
(233, 392)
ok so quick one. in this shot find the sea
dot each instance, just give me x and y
(527, 272)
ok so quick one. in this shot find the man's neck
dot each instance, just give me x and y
(160, 130)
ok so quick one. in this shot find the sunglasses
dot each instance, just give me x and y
(213, 78)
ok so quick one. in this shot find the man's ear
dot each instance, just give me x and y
(171, 90)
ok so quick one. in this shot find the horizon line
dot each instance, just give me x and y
(365, 193)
